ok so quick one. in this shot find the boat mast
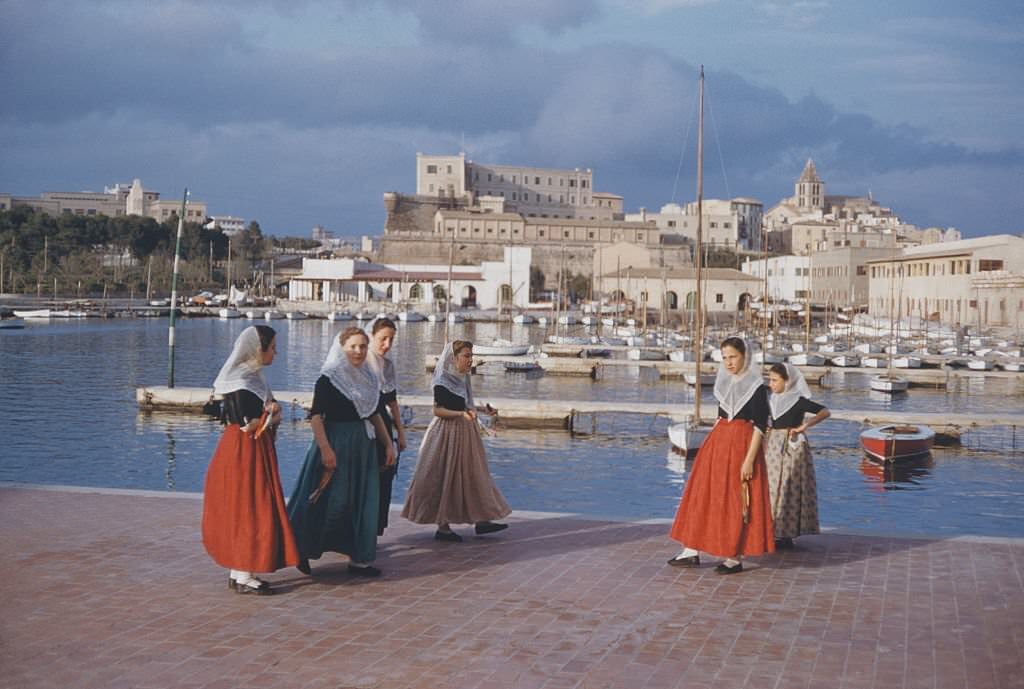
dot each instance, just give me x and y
(698, 340)
(448, 300)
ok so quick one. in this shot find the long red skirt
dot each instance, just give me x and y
(710, 515)
(245, 523)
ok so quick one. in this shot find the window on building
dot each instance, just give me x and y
(572, 199)
(590, 235)
(449, 169)
(515, 196)
(488, 177)
(549, 198)
(643, 296)
(572, 183)
(565, 233)
(476, 230)
(973, 303)
(714, 224)
(549, 181)
(536, 180)
(501, 178)
(727, 225)
(561, 181)
(719, 298)
(640, 236)
(513, 179)
(988, 265)
(862, 270)
(671, 223)
(540, 233)
(561, 198)
(430, 187)
(490, 230)
(431, 169)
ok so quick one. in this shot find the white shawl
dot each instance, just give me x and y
(448, 377)
(734, 391)
(796, 387)
(244, 368)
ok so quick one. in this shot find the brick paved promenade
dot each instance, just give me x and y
(114, 590)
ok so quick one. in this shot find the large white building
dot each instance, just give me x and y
(724, 290)
(484, 285)
(978, 282)
(788, 276)
(530, 191)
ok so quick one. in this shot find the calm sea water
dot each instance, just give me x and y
(67, 393)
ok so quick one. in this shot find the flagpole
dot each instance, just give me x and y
(174, 291)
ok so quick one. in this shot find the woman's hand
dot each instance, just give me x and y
(389, 455)
(251, 426)
(275, 413)
(470, 414)
(402, 444)
(328, 458)
(795, 432)
(747, 470)
(490, 411)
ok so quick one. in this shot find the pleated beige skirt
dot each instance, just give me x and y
(452, 483)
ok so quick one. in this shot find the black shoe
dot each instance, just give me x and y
(447, 536)
(253, 585)
(366, 571)
(489, 527)
(691, 561)
(304, 567)
(783, 543)
(726, 569)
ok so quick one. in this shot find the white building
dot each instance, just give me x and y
(978, 282)
(484, 285)
(227, 224)
(788, 276)
(115, 201)
(734, 224)
(529, 191)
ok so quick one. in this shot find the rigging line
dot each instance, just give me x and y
(718, 144)
(682, 151)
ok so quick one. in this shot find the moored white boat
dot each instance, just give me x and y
(296, 316)
(33, 314)
(873, 362)
(252, 314)
(906, 362)
(687, 437)
(364, 315)
(228, 312)
(807, 359)
(705, 378)
(979, 364)
(1015, 366)
(455, 317)
(645, 354)
(868, 348)
(895, 442)
(567, 319)
(682, 355)
(522, 366)
(769, 357)
(524, 319)
(845, 360)
(501, 348)
(435, 318)
(410, 316)
(272, 315)
(338, 316)
(889, 383)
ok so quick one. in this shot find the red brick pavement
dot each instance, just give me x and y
(114, 590)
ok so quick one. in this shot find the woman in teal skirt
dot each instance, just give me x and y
(334, 506)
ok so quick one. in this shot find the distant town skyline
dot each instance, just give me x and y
(304, 113)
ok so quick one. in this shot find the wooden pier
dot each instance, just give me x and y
(571, 364)
(580, 415)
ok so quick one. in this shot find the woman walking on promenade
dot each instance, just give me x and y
(245, 525)
(382, 337)
(452, 483)
(725, 509)
(335, 501)
(791, 481)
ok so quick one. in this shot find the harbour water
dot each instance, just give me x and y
(70, 418)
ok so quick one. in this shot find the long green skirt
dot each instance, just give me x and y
(344, 518)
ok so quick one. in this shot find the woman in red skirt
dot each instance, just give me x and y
(245, 524)
(725, 510)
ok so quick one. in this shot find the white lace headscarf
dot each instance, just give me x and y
(358, 383)
(734, 391)
(244, 368)
(796, 387)
(382, 366)
(448, 377)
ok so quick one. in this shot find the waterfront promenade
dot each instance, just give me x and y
(113, 589)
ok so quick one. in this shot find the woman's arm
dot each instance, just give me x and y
(445, 413)
(327, 457)
(396, 416)
(384, 439)
(747, 470)
(820, 416)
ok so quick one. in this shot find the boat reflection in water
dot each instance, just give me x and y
(908, 474)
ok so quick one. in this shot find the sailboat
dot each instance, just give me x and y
(889, 382)
(687, 437)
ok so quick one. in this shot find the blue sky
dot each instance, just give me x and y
(300, 112)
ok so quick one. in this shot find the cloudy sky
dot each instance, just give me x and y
(302, 112)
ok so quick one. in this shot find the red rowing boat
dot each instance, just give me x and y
(895, 442)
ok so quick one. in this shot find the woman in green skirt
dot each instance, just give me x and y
(334, 506)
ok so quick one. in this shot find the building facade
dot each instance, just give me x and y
(733, 224)
(725, 290)
(978, 282)
(484, 285)
(118, 200)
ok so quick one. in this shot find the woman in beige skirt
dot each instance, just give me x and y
(452, 483)
(791, 481)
